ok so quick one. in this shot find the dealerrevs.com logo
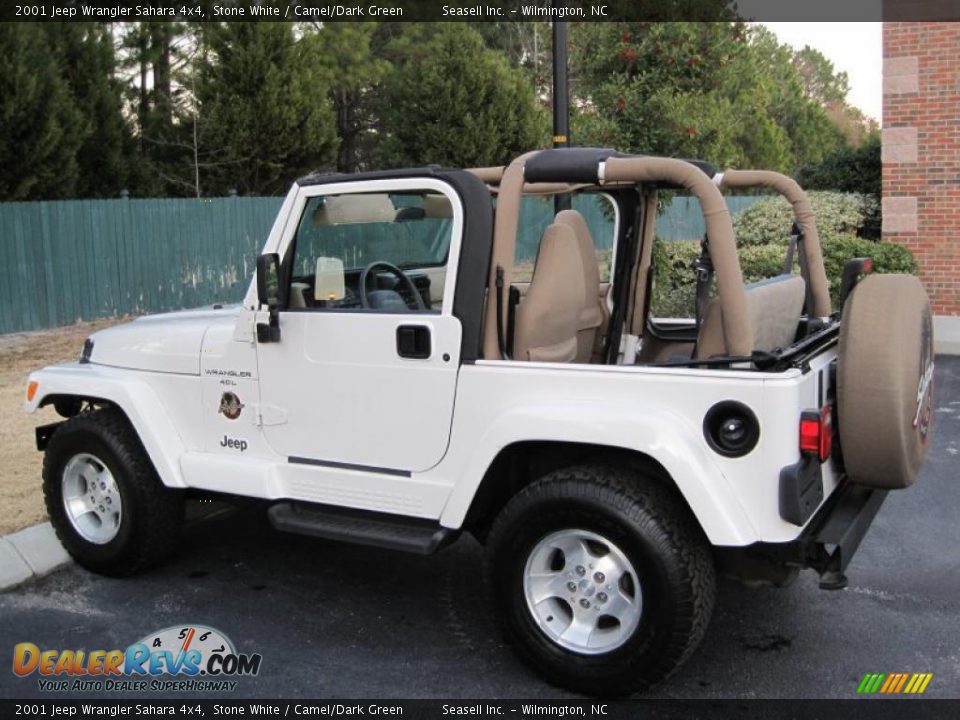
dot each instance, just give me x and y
(179, 658)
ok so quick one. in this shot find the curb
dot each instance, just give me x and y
(30, 553)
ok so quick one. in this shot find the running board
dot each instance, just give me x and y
(393, 532)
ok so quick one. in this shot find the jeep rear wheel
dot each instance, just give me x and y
(104, 498)
(600, 578)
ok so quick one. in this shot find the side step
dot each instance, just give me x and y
(394, 532)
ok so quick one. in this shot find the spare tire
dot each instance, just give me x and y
(885, 381)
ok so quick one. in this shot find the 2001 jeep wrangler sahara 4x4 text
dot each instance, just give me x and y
(391, 378)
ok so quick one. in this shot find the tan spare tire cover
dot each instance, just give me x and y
(885, 380)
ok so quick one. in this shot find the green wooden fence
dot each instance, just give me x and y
(80, 260)
(682, 219)
(72, 260)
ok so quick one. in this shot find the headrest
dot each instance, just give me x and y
(437, 206)
(574, 220)
(347, 209)
(559, 241)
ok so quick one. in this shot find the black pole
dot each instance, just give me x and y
(561, 99)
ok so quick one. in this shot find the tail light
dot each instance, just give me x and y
(816, 433)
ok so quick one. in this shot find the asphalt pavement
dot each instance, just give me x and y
(333, 620)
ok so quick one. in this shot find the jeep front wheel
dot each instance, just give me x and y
(601, 579)
(104, 498)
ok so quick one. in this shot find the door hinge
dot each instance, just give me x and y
(264, 415)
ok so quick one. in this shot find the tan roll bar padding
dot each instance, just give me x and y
(504, 249)
(638, 314)
(492, 176)
(488, 174)
(814, 272)
(737, 332)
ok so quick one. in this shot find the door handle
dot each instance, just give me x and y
(413, 341)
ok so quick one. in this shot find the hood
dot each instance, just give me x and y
(168, 342)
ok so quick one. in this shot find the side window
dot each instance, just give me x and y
(382, 252)
(537, 212)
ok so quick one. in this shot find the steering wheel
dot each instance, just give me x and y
(397, 273)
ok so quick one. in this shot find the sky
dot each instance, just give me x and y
(853, 47)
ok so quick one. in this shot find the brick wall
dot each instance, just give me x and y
(921, 152)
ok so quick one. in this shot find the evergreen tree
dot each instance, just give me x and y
(451, 101)
(40, 128)
(86, 57)
(356, 70)
(829, 89)
(156, 55)
(263, 107)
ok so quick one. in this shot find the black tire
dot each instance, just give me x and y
(152, 516)
(644, 517)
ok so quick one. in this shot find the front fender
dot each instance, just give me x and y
(132, 395)
(659, 433)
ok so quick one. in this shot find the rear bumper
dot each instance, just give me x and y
(832, 537)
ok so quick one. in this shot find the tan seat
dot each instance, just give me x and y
(592, 310)
(548, 319)
(774, 305)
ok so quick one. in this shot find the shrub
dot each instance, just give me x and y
(675, 283)
(887, 258)
(838, 214)
(849, 169)
(855, 170)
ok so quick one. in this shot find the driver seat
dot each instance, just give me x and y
(548, 319)
(592, 311)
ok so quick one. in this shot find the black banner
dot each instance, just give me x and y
(476, 10)
(863, 709)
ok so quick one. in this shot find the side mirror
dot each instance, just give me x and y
(268, 279)
(268, 293)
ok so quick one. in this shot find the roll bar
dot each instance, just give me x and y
(737, 330)
(611, 168)
(811, 254)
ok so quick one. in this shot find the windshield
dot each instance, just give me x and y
(409, 230)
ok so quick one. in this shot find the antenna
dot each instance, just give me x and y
(561, 98)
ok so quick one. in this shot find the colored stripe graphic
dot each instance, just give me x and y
(870, 683)
(891, 683)
(894, 683)
(901, 683)
(918, 683)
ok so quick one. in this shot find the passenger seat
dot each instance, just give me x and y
(775, 306)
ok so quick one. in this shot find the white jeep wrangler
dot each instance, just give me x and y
(393, 379)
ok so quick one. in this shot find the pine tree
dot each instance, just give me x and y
(264, 107)
(356, 70)
(40, 128)
(450, 100)
(85, 54)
